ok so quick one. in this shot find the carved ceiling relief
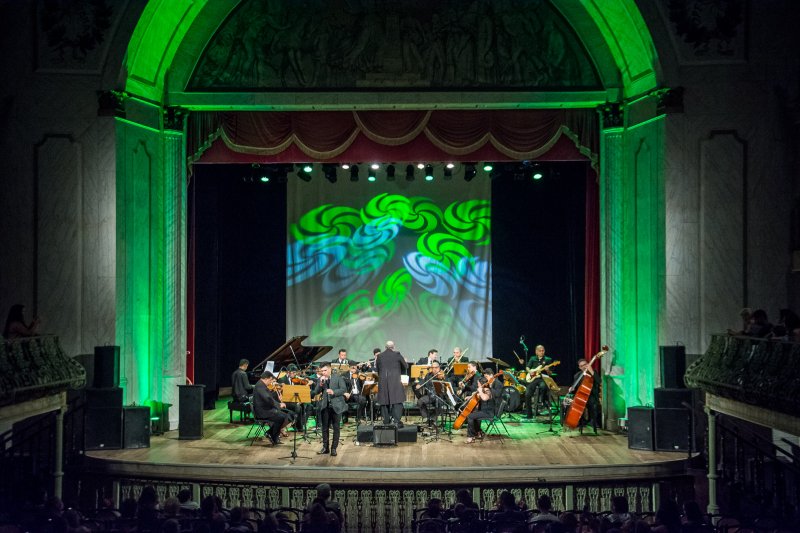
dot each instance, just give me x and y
(707, 30)
(71, 34)
(408, 44)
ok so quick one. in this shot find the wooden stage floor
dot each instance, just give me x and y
(531, 453)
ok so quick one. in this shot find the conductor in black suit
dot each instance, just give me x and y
(391, 366)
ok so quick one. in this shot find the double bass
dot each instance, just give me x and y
(582, 394)
(472, 403)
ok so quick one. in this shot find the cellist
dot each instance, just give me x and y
(591, 414)
(486, 394)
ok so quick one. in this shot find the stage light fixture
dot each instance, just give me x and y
(304, 172)
(329, 171)
(374, 166)
(451, 166)
(448, 173)
(421, 166)
(428, 172)
(354, 173)
(308, 167)
(345, 166)
(371, 175)
(390, 170)
(469, 171)
(264, 178)
(410, 173)
(537, 172)
(488, 167)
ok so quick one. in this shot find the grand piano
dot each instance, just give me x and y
(291, 351)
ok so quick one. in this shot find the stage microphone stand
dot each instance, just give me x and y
(436, 405)
(293, 456)
(549, 404)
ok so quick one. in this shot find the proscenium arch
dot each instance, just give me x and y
(171, 34)
(165, 45)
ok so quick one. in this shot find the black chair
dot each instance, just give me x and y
(261, 428)
(493, 429)
(245, 409)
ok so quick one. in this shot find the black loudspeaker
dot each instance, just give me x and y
(384, 435)
(408, 433)
(672, 398)
(673, 429)
(190, 411)
(640, 428)
(103, 428)
(136, 427)
(104, 398)
(87, 362)
(106, 367)
(673, 366)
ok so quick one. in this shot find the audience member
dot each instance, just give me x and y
(507, 509)
(791, 323)
(171, 525)
(545, 508)
(16, 326)
(186, 501)
(435, 509)
(569, 520)
(319, 520)
(759, 325)
(239, 520)
(668, 517)
(619, 511)
(693, 519)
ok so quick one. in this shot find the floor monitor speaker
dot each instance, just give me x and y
(384, 435)
(673, 366)
(136, 427)
(673, 430)
(640, 428)
(106, 367)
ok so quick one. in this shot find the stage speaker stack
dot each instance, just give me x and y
(380, 435)
(673, 421)
(106, 367)
(673, 366)
(103, 419)
(640, 428)
(190, 411)
(136, 427)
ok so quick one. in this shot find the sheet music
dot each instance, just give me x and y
(404, 379)
(270, 366)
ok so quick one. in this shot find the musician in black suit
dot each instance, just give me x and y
(424, 391)
(267, 406)
(342, 358)
(458, 357)
(353, 395)
(330, 406)
(298, 409)
(536, 391)
(433, 355)
(241, 389)
(591, 414)
(391, 366)
(485, 409)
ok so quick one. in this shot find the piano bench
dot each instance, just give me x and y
(244, 408)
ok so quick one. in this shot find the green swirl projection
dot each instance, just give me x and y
(395, 266)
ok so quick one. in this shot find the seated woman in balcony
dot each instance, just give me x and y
(16, 326)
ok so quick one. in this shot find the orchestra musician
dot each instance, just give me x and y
(458, 357)
(267, 405)
(469, 381)
(342, 358)
(330, 406)
(591, 414)
(433, 357)
(354, 381)
(424, 391)
(391, 366)
(298, 409)
(486, 406)
(537, 391)
(241, 389)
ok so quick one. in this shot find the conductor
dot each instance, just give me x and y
(391, 365)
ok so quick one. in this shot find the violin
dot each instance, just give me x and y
(300, 381)
(278, 389)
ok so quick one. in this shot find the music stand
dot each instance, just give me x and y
(435, 388)
(340, 369)
(459, 369)
(419, 371)
(299, 394)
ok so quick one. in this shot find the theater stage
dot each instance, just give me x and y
(533, 452)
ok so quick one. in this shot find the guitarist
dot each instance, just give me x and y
(536, 392)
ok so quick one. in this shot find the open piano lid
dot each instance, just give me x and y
(286, 353)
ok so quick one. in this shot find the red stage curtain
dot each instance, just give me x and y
(343, 135)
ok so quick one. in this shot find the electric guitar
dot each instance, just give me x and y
(536, 372)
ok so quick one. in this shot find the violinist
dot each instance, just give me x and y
(299, 410)
(425, 392)
(267, 405)
(591, 414)
(354, 381)
(330, 406)
(469, 382)
(485, 409)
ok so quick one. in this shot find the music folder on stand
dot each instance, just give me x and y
(441, 389)
(300, 394)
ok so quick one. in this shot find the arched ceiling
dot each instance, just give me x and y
(172, 34)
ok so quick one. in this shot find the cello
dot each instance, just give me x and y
(472, 403)
(582, 394)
